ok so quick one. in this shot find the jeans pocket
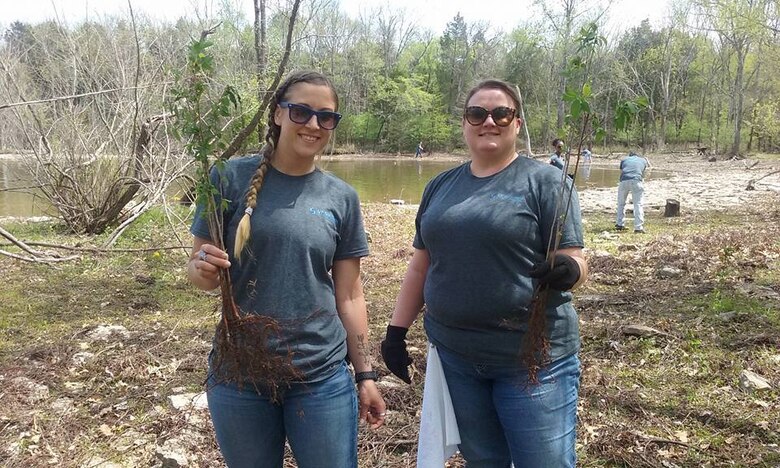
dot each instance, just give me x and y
(558, 387)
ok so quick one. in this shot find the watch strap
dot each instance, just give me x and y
(368, 375)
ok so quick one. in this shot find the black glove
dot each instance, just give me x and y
(562, 276)
(394, 352)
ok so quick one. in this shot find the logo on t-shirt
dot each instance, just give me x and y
(323, 214)
(517, 200)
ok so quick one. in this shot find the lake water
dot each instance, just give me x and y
(381, 180)
(376, 180)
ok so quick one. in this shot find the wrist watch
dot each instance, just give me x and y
(368, 375)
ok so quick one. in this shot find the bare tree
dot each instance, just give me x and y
(79, 117)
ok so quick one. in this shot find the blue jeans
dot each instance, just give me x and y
(637, 191)
(319, 420)
(503, 419)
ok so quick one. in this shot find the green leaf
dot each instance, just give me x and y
(569, 95)
(575, 108)
(620, 121)
(586, 90)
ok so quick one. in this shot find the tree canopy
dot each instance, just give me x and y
(706, 77)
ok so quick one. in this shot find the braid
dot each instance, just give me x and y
(244, 231)
(271, 137)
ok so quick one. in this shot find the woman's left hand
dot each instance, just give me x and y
(562, 276)
(371, 406)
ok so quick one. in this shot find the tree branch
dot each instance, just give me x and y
(35, 259)
(246, 131)
(72, 96)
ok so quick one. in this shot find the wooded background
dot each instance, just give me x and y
(708, 76)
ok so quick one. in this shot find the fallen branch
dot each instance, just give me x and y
(658, 440)
(102, 250)
(20, 244)
(752, 182)
(34, 259)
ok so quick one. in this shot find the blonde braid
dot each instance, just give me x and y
(244, 230)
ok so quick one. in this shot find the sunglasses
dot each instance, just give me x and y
(301, 114)
(502, 116)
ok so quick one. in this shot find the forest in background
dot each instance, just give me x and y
(708, 77)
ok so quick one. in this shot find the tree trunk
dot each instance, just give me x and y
(525, 124)
(701, 117)
(561, 92)
(665, 97)
(739, 97)
(261, 56)
(666, 91)
(126, 188)
(752, 130)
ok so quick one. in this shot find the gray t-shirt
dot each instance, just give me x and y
(557, 161)
(301, 225)
(482, 236)
(633, 167)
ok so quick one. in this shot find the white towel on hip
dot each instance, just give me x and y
(439, 436)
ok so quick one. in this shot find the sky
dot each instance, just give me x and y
(430, 14)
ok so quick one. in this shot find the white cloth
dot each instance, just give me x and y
(439, 436)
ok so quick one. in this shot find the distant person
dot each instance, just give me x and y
(556, 159)
(632, 170)
(587, 157)
(418, 153)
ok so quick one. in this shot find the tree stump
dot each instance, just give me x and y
(672, 208)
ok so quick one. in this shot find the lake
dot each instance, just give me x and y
(381, 180)
(376, 180)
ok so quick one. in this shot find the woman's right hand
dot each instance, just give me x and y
(206, 261)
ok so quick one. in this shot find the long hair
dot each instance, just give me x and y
(243, 232)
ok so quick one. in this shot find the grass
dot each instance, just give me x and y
(667, 400)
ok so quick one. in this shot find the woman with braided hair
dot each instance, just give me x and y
(483, 233)
(297, 238)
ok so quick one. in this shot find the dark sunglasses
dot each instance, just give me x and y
(301, 114)
(502, 116)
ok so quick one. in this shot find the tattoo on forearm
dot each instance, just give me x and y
(362, 349)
